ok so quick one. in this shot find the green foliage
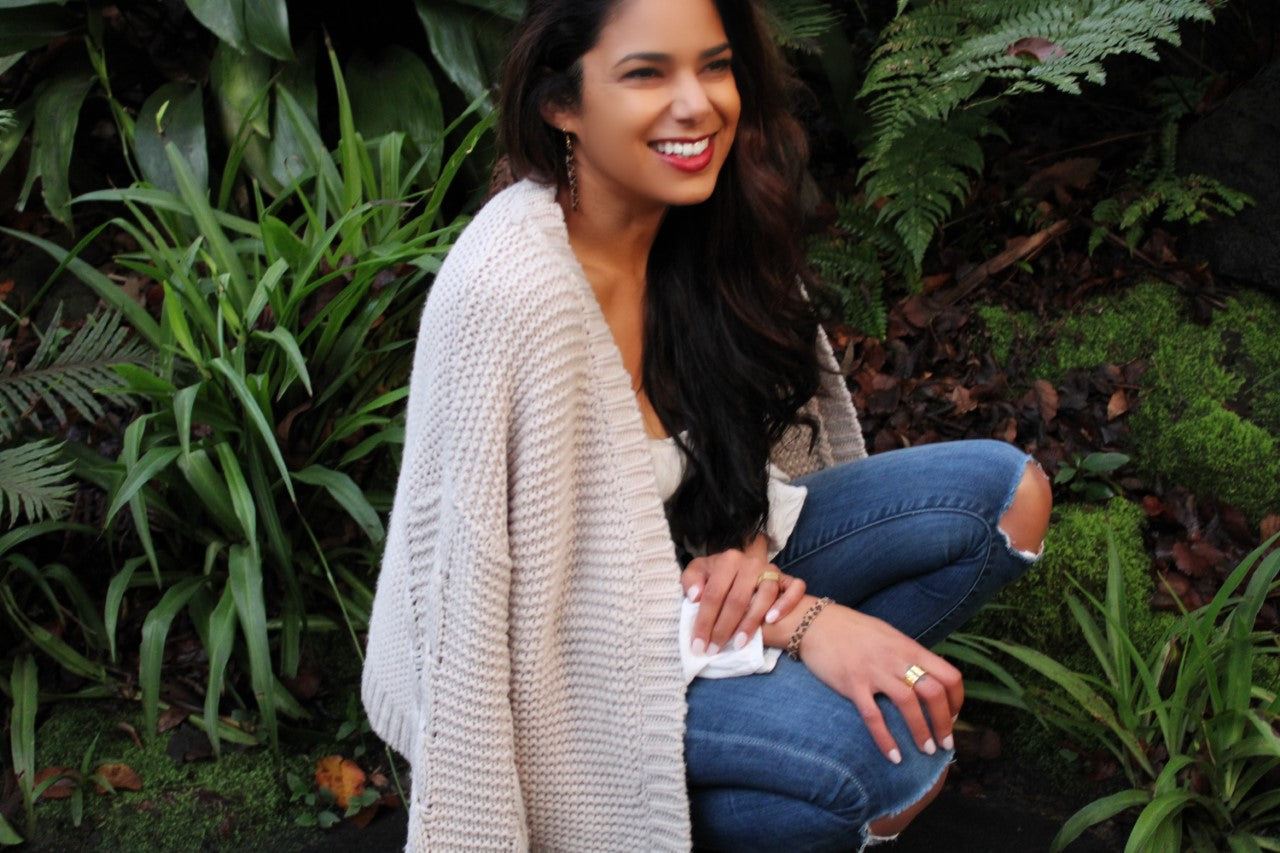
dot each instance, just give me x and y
(33, 481)
(1029, 610)
(67, 370)
(940, 65)
(259, 83)
(1195, 736)
(1207, 404)
(1156, 192)
(1090, 475)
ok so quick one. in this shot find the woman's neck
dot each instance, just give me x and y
(612, 243)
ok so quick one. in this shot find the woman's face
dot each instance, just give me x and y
(659, 106)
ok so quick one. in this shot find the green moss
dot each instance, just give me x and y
(1033, 611)
(1208, 413)
(1004, 328)
(233, 803)
(1115, 329)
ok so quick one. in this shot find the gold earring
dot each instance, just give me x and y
(571, 169)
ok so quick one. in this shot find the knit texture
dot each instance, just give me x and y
(523, 650)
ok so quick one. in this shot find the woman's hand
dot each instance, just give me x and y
(733, 600)
(859, 656)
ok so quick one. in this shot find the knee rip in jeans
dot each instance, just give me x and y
(1026, 517)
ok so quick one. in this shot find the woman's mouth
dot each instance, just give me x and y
(686, 155)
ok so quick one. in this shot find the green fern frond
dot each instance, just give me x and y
(935, 60)
(68, 371)
(925, 174)
(33, 481)
(798, 24)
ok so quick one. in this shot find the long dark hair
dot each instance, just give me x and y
(729, 340)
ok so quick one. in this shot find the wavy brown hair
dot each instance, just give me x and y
(729, 355)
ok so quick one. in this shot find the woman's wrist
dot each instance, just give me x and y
(779, 633)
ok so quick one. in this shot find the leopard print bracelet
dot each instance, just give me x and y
(793, 645)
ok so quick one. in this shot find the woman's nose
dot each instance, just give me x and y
(689, 101)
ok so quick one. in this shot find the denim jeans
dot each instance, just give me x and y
(780, 761)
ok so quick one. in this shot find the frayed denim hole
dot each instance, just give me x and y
(1029, 557)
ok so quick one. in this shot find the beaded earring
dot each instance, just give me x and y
(571, 169)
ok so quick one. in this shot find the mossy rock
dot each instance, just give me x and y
(1208, 412)
(1033, 610)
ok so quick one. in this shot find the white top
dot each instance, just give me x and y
(785, 503)
(523, 644)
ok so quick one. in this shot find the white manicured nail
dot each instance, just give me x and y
(694, 592)
(771, 617)
(698, 646)
(895, 756)
(713, 650)
(948, 742)
(930, 747)
(740, 639)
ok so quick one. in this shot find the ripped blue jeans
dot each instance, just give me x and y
(780, 761)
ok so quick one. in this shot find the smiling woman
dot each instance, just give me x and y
(629, 450)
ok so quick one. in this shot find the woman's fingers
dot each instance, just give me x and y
(694, 578)
(793, 590)
(876, 726)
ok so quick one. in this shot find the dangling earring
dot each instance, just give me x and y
(571, 169)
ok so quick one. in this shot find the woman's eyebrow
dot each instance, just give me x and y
(666, 57)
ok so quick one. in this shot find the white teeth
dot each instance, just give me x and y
(682, 149)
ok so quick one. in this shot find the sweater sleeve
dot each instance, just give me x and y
(437, 673)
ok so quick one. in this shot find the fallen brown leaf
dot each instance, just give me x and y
(121, 776)
(1034, 47)
(1117, 405)
(341, 777)
(362, 817)
(60, 789)
(1270, 526)
(170, 718)
(1047, 400)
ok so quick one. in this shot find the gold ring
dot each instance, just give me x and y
(913, 674)
(767, 576)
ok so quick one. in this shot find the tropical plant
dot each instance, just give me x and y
(927, 96)
(1193, 722)
(254, 59)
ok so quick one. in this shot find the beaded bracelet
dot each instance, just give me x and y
(793, 645)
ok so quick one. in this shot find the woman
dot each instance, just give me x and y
(617, 357)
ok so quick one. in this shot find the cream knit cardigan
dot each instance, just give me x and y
(522, 647)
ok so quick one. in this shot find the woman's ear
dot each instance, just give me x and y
(562, 118)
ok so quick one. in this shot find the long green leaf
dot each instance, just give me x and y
(1096, 812)
(195, 195)
(246, 587)
(222, 637)
(155, 631)
(1153, 820)
(52, 645)
(105, 289)
(257, 418)
(149, 465)
(37, 26)
(225, 18)
(56, 120)
(267, 24)
(173, 114)
(115, 595)
(349, 496)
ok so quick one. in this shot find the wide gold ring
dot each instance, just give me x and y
(913, 674)
(767, 576)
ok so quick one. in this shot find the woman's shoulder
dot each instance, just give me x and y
(517, 243)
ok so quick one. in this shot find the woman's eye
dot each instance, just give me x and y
(720, 65)
(641, 74)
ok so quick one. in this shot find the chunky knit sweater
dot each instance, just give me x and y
(522, 648)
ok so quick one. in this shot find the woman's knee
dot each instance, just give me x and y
(890, 825)
(1026, 521)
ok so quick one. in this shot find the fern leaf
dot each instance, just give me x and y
(33, 481)
(798, 24)
(67, 370)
